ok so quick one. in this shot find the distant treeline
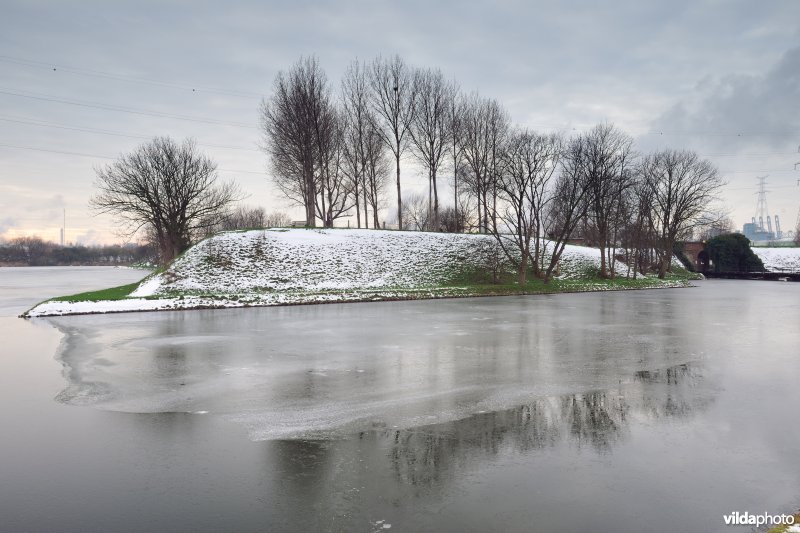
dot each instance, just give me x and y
(34, 251)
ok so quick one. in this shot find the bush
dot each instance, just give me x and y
(732, 253)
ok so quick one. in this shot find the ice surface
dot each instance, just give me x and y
(333, 371)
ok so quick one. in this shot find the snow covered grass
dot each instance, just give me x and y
(782, 259)
(315, 260)
(298, 266)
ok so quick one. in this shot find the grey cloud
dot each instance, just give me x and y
(6, 224)
(90, 237)
(555, 65)
(759, 111)
(54, 202)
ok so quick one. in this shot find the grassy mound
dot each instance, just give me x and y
(300, 266)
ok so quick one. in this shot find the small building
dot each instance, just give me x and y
(755, 233)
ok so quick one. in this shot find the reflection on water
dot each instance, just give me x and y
(373, 476)
(596, 419)
(671, 375)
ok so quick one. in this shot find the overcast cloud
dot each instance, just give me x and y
(720, 77)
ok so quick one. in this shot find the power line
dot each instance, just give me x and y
(742, 134)
(661, 133)
(234, 171)
(122, 77)
(735, 154)
(53, 151)
(35, 122)
(249, 94)
(262, 172)
(108, 132)
(121, 109)
(756, 171)
(751, 188)
(81, 154)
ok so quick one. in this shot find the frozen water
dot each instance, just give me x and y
(332, 371)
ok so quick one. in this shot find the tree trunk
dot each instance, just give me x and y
(603, 273)
(430, 201)
(435, 203)
(366, 211)
(662, 271)
(494, 208)
(665, 261)
(399, 199)
(522, 271)
(455, 197)
(311, 194)
(358, 209)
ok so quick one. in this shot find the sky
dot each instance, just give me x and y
(83, 82)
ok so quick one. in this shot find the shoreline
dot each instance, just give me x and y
(205, 303)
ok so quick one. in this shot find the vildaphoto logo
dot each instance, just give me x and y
(747, 519)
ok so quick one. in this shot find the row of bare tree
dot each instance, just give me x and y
(533, 192)
(331, 154)
(551, 189)
(35, 251)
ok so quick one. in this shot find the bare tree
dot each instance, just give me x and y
(607, 164)
(454, 123)
(569, 202)
(484, 126)
(416, 212)
(453, 219)
(638, 237)
(277, 219)
(498, 127)
(529, 162)
(682, 187)
(289, 121)
(245, 217)
(242, 217)
(392, 86)
(712, 223)
(334, 196)
(358, 120)
(303, 135)
(474, 149)
(430, 131)
(376, 172)
(31, 250)
(170, 188)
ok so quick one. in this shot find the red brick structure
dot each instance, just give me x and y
(695, 252)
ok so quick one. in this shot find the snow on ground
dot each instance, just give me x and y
(782, 259)
(332, 260)
(288, 266)
(315, 260)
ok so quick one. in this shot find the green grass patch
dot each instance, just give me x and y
(479, 284)
(114, 293)
(480, 281)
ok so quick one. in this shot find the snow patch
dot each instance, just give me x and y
(782, 259)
